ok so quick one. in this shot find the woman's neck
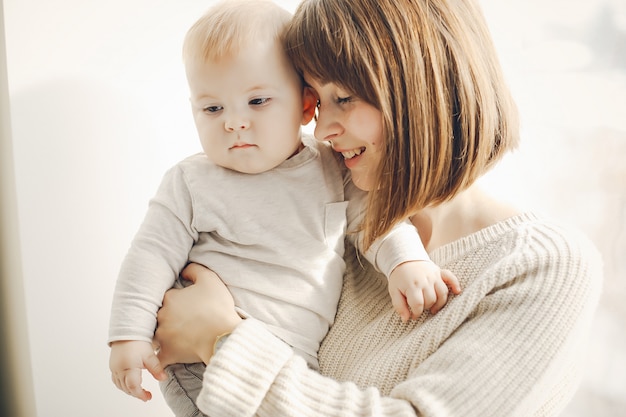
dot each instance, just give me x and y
(467, 213)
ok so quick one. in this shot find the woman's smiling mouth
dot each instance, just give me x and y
(352, 153)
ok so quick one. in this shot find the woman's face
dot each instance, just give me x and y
(354, 128)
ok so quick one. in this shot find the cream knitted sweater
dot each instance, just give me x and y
(509, 345)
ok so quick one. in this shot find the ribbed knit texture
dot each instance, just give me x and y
(509, 345)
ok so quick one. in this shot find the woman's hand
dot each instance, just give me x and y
(192, 318)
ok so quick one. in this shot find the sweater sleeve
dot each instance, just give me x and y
(157, 254)
(256, 374)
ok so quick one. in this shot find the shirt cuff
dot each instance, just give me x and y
(401, 244)
(242, 370)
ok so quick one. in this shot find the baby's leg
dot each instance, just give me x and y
(182, 388)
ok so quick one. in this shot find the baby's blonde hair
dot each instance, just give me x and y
(230, 25)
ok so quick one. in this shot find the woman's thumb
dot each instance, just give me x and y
(191, 272)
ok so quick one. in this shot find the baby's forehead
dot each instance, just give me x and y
(255, 71)
(260, 52)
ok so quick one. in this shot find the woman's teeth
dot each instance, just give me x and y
(354, 152)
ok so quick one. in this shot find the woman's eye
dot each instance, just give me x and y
(212, 109)
(259, 101)
(344, 100)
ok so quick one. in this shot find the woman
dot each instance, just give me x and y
(411, 94)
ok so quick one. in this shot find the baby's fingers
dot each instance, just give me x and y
(429, 297)
(415, 299)
(451, 281)
(153, 365)
(130, 382)
(400, 305)
(441, 289)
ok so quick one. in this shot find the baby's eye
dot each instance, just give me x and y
(212, 109)
(259, 101)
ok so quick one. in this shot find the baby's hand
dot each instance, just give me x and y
(126, 362)
(416, 286)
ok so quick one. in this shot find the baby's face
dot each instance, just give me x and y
(247, 108)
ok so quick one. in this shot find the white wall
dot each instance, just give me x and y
(16, 383)
(99, 111)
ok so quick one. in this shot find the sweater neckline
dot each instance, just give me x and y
(308, 153)
(449, 251)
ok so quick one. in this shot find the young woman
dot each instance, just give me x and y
(411, 94)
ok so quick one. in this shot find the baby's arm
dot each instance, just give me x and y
(127, 360)
(415, 282)
(158, 252)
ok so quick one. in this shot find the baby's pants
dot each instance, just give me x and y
(185, 382)
(182, 388)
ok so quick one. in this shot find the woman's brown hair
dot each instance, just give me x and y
(431, 68)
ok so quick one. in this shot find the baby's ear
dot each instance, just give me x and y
(309, 104)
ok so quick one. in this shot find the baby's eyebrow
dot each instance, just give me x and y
(202, 96)
(258, 87)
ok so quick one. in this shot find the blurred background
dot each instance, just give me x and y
(99, 111)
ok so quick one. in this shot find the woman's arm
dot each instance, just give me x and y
(254, 372)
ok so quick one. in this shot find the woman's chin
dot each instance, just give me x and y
(362, 182)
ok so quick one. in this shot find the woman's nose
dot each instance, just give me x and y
(326, 126)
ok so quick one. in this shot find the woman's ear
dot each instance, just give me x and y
(309, 104)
